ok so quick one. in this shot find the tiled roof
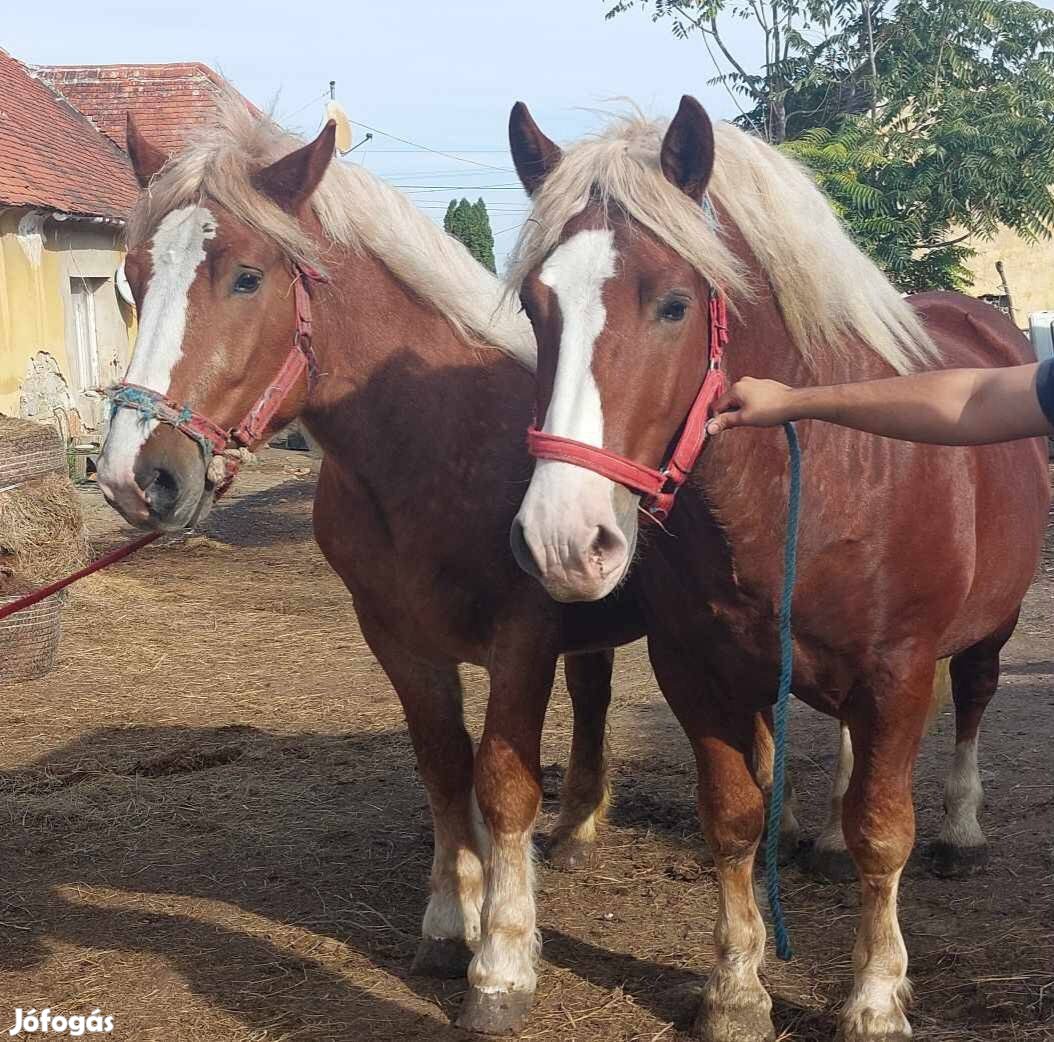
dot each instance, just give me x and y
(51, 156)
(167, 100)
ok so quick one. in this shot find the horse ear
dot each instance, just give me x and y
(147, 159)
(533, 154)
(687, 156)
(292, 180)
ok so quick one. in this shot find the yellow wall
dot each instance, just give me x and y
(1029, 272)
(39, 370)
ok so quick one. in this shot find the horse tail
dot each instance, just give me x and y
(942, 691)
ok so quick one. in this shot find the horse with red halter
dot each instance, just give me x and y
(272, 283)
(660, 261)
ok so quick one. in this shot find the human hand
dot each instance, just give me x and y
(752, 403)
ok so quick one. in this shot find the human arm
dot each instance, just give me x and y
(945, 407)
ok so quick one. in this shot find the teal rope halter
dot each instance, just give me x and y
(779, 735)
(153, 406)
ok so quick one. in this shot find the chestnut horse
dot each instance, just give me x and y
(907, 553)
(422, 394)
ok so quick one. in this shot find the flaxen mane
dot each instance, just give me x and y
(357, 210)
(831, 294)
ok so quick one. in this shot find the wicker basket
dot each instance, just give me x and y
(29, 639)
(29, 450)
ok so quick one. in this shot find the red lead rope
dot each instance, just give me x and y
(658, 488)
(97, 565)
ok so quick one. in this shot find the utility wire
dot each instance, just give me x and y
(296, 112)
(459, 188)
(436, 151)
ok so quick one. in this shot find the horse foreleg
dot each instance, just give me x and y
(790, 830)
(879, 823)
(961, 847)
(431, 698)
(735, 1006)
(508, 775)
(584, 796)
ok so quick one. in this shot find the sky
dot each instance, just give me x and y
(439, 75)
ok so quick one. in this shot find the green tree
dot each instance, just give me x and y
(485, 243)
(808, 59)
(470, 224)
(448, 217)
(928, 122)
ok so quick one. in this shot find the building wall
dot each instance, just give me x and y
(44, 262)
(1029, 272)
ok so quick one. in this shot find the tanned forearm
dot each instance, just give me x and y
(948, 407)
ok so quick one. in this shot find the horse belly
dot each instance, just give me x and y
(1011, 509)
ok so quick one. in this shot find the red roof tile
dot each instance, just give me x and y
(51, 156)
(167, 100)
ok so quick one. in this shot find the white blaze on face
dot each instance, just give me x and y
(568, 519)
(176, 253)
(576, 272)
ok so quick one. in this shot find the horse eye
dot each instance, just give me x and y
(673, 311)
(247, 282)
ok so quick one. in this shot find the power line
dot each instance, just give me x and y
(460, 172)
(312, 101)
(436, 151)
(459, 188)
(460, 151)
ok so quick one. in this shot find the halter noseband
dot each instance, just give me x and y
(658, 488)
(223, 444)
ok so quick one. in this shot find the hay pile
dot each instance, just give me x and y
(41, 527)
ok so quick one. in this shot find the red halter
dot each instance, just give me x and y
(217, 442)
(659, 488)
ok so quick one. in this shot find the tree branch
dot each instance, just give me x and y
(943, 245)
(731, 59)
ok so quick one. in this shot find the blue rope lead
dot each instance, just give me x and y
(779, 736)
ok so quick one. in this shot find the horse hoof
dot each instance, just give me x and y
(954, 862)
(495, 1012)
(834, 866)
(733, 1024)
(869, 1026)
(441, 957)
(572, 855)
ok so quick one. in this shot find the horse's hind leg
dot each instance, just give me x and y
(830, 857)
(961, 848)
(584, 796)
(790, 830)
(431, 698)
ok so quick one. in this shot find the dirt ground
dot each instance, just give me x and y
(213, 830)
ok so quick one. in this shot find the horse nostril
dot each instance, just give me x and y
(607, 549)
(162, 492)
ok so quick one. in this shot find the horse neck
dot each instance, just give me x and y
(744, 473)
(401, 388)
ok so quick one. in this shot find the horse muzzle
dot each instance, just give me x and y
(163, 488)
(570, 534)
